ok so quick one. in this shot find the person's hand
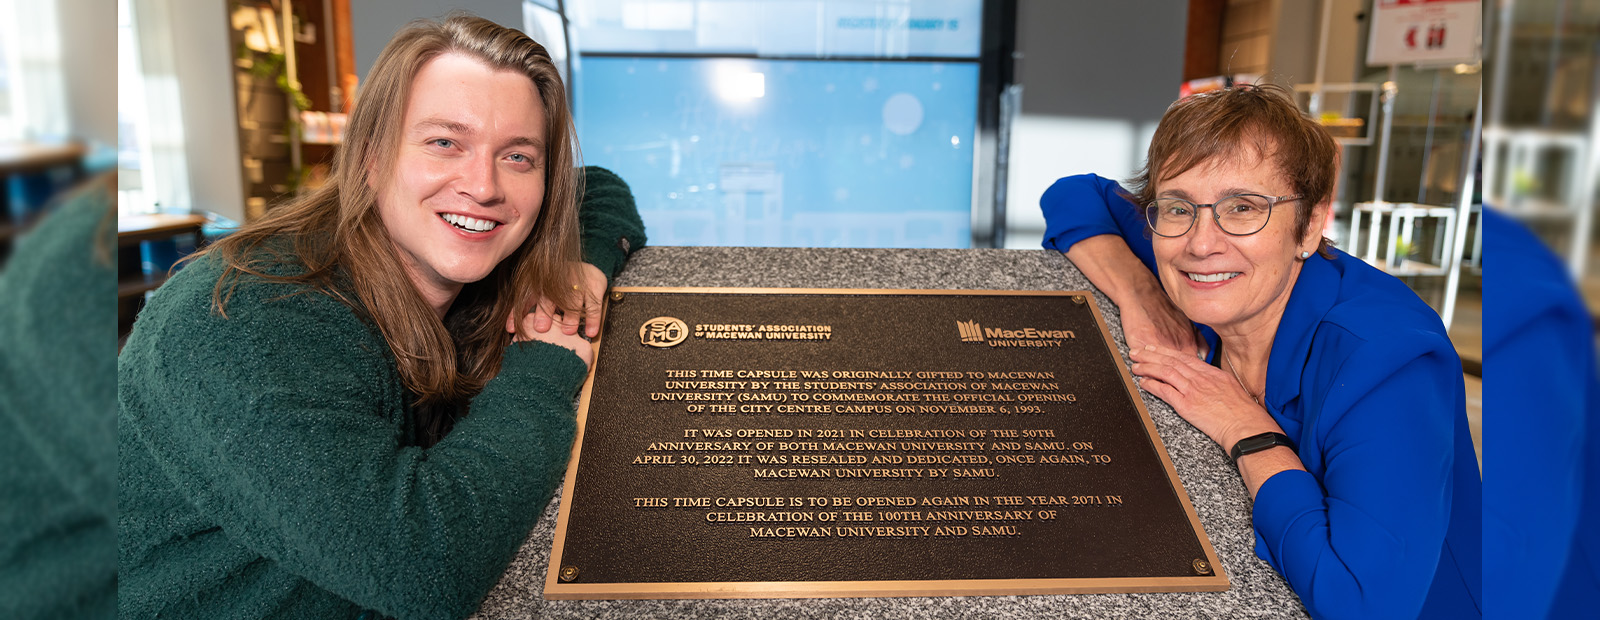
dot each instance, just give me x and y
(572, 341)
(584, 305)
(1148, 315)
(1208, 397)
(1156, 321)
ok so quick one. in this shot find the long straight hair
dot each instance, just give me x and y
(336, 235)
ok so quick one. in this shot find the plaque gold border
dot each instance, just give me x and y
(555, 589)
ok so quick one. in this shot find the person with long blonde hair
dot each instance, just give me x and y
(347, 408)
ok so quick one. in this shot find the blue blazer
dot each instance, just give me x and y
(1386, 521)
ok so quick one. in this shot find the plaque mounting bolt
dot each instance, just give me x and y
(570, 573)
(1201, 567)
(616, 296)
(1078, 299)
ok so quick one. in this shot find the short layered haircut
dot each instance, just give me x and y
(1250, 120)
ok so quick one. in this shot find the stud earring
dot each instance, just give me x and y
(1305, 255)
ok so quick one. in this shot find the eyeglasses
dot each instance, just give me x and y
(1237, 215)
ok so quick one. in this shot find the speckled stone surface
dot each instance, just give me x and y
(1213, 484)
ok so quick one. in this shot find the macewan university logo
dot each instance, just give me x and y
(662, 332)
(971, 331)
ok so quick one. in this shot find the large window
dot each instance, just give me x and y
(152, 165)
(32, 97)
(133, 175)
(848, 123)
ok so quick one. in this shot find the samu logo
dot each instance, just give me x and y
(662, 332)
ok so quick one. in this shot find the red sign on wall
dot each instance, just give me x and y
(1425, 32)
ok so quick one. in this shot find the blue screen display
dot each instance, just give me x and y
(796, 153)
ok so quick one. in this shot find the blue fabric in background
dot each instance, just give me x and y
(1540, 447)
(833, 154)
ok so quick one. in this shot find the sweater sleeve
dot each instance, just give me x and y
(57, 357)
(1364, 542)
(1083, 206)
(611, 225)
(284, 430)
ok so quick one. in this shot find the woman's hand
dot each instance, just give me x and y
(1154, 320)
(587, 301)
(1148, 315)
(572, 341)
(1205, 396)
(1214, 402)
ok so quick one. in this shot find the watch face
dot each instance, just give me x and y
(1257, 443)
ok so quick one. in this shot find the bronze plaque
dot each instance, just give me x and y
(762, 443)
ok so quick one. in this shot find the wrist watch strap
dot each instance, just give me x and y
(1257, 443)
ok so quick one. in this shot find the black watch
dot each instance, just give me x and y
(1257, 443)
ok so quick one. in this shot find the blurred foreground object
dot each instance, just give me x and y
(1541, 417)
(1539, 429)
(58, 454)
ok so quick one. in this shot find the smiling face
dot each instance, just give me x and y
(1234, 284)
(468, 177)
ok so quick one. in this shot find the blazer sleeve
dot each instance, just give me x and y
(1078, 207)
(1364, 541)
(280, 427)
(612, 228)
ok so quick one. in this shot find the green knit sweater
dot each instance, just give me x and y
(265, 468)
(58, 450)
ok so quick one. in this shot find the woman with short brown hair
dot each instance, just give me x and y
(1334, 389)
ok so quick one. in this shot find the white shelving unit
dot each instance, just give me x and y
(1382, 232)
(1516, 162)
(1545, 174)
(1385, 247)
(1385, 251)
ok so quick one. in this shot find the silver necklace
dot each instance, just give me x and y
(1235, 371)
